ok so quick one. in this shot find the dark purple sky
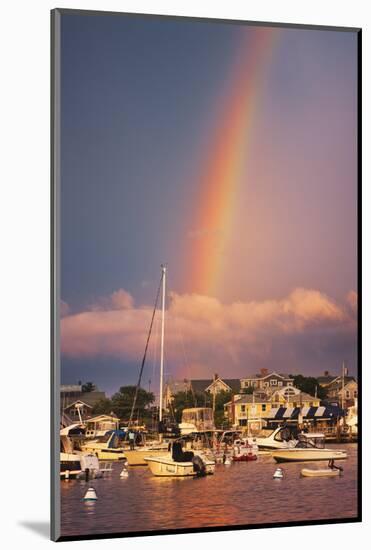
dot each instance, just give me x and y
(140, 104)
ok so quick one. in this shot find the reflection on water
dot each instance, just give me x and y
(243, 493)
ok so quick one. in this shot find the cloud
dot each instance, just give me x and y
(120, 299)
(203, 332)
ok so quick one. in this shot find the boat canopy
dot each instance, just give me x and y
(308, 413)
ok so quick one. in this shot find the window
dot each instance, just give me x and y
(289, 383)
(274, 382)
(355, 393)
(243, 408)
(347, 394)
(264, 407)
(279, 383)
(243, 422)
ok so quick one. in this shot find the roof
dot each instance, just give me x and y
(260, 377)
(78, 401)
(202, 385)
(292, 413)
(249, 398)
(337, 383)
(326, 379)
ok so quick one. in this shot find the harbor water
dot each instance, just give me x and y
(239, 494)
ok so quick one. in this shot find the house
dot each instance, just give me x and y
(292, 397)
(251, 409)
(343, 392)
(246, 409)
(326, 379)
(69, 394)
(266, 381)
(216, 385)
(78, 409)
(173, 387)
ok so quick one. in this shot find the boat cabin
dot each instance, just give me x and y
(310, 440)
(197, 419)
(99, 425)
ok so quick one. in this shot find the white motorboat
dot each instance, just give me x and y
(105, 448)
(79, 465)
(280, 438)
(180, 464)
(310, 446)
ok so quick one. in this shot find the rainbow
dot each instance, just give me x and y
(225, 161)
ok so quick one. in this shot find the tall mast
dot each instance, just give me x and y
(162, 339)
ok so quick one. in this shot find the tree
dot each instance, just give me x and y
(103, 406)
(187, 399)
(88, 387)
(123, 400)
(221, 399)
(310, 385)
(249, 390)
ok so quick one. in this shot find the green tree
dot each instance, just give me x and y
(310, 385)
(188, 399)
(249, 390)
(103, 406)
(88, 387)
(221, 399)
(122, 402)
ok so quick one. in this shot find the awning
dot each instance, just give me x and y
(307, 413)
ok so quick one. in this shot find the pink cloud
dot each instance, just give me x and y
(120, 299)
(200, 329)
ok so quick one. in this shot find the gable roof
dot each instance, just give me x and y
(75, 403)
(337, 384)
(260, 377)
(202, 385)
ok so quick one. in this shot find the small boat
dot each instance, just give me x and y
(244, 450)
(105, 449)
(137, 457)
(325, 472)
(79, 466)
(180, 464)
(310, 446)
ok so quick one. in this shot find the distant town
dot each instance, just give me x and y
(265, 397)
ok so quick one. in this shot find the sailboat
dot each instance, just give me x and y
(137, 457)
(175, 462)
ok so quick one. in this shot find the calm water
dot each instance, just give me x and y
(243, 493)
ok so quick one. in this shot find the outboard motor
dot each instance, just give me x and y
(199, 466)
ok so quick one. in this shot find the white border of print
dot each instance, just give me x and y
(24, 219)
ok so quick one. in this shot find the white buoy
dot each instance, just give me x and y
(124, 473)
(90, 494)
(278, 474)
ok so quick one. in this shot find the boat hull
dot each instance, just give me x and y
(320, 473)
(138, 457)
(244, 458)
(163, 467)
(305, 455)
(104, 453)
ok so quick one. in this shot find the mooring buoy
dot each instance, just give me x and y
(90, 494)
(278, 474)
